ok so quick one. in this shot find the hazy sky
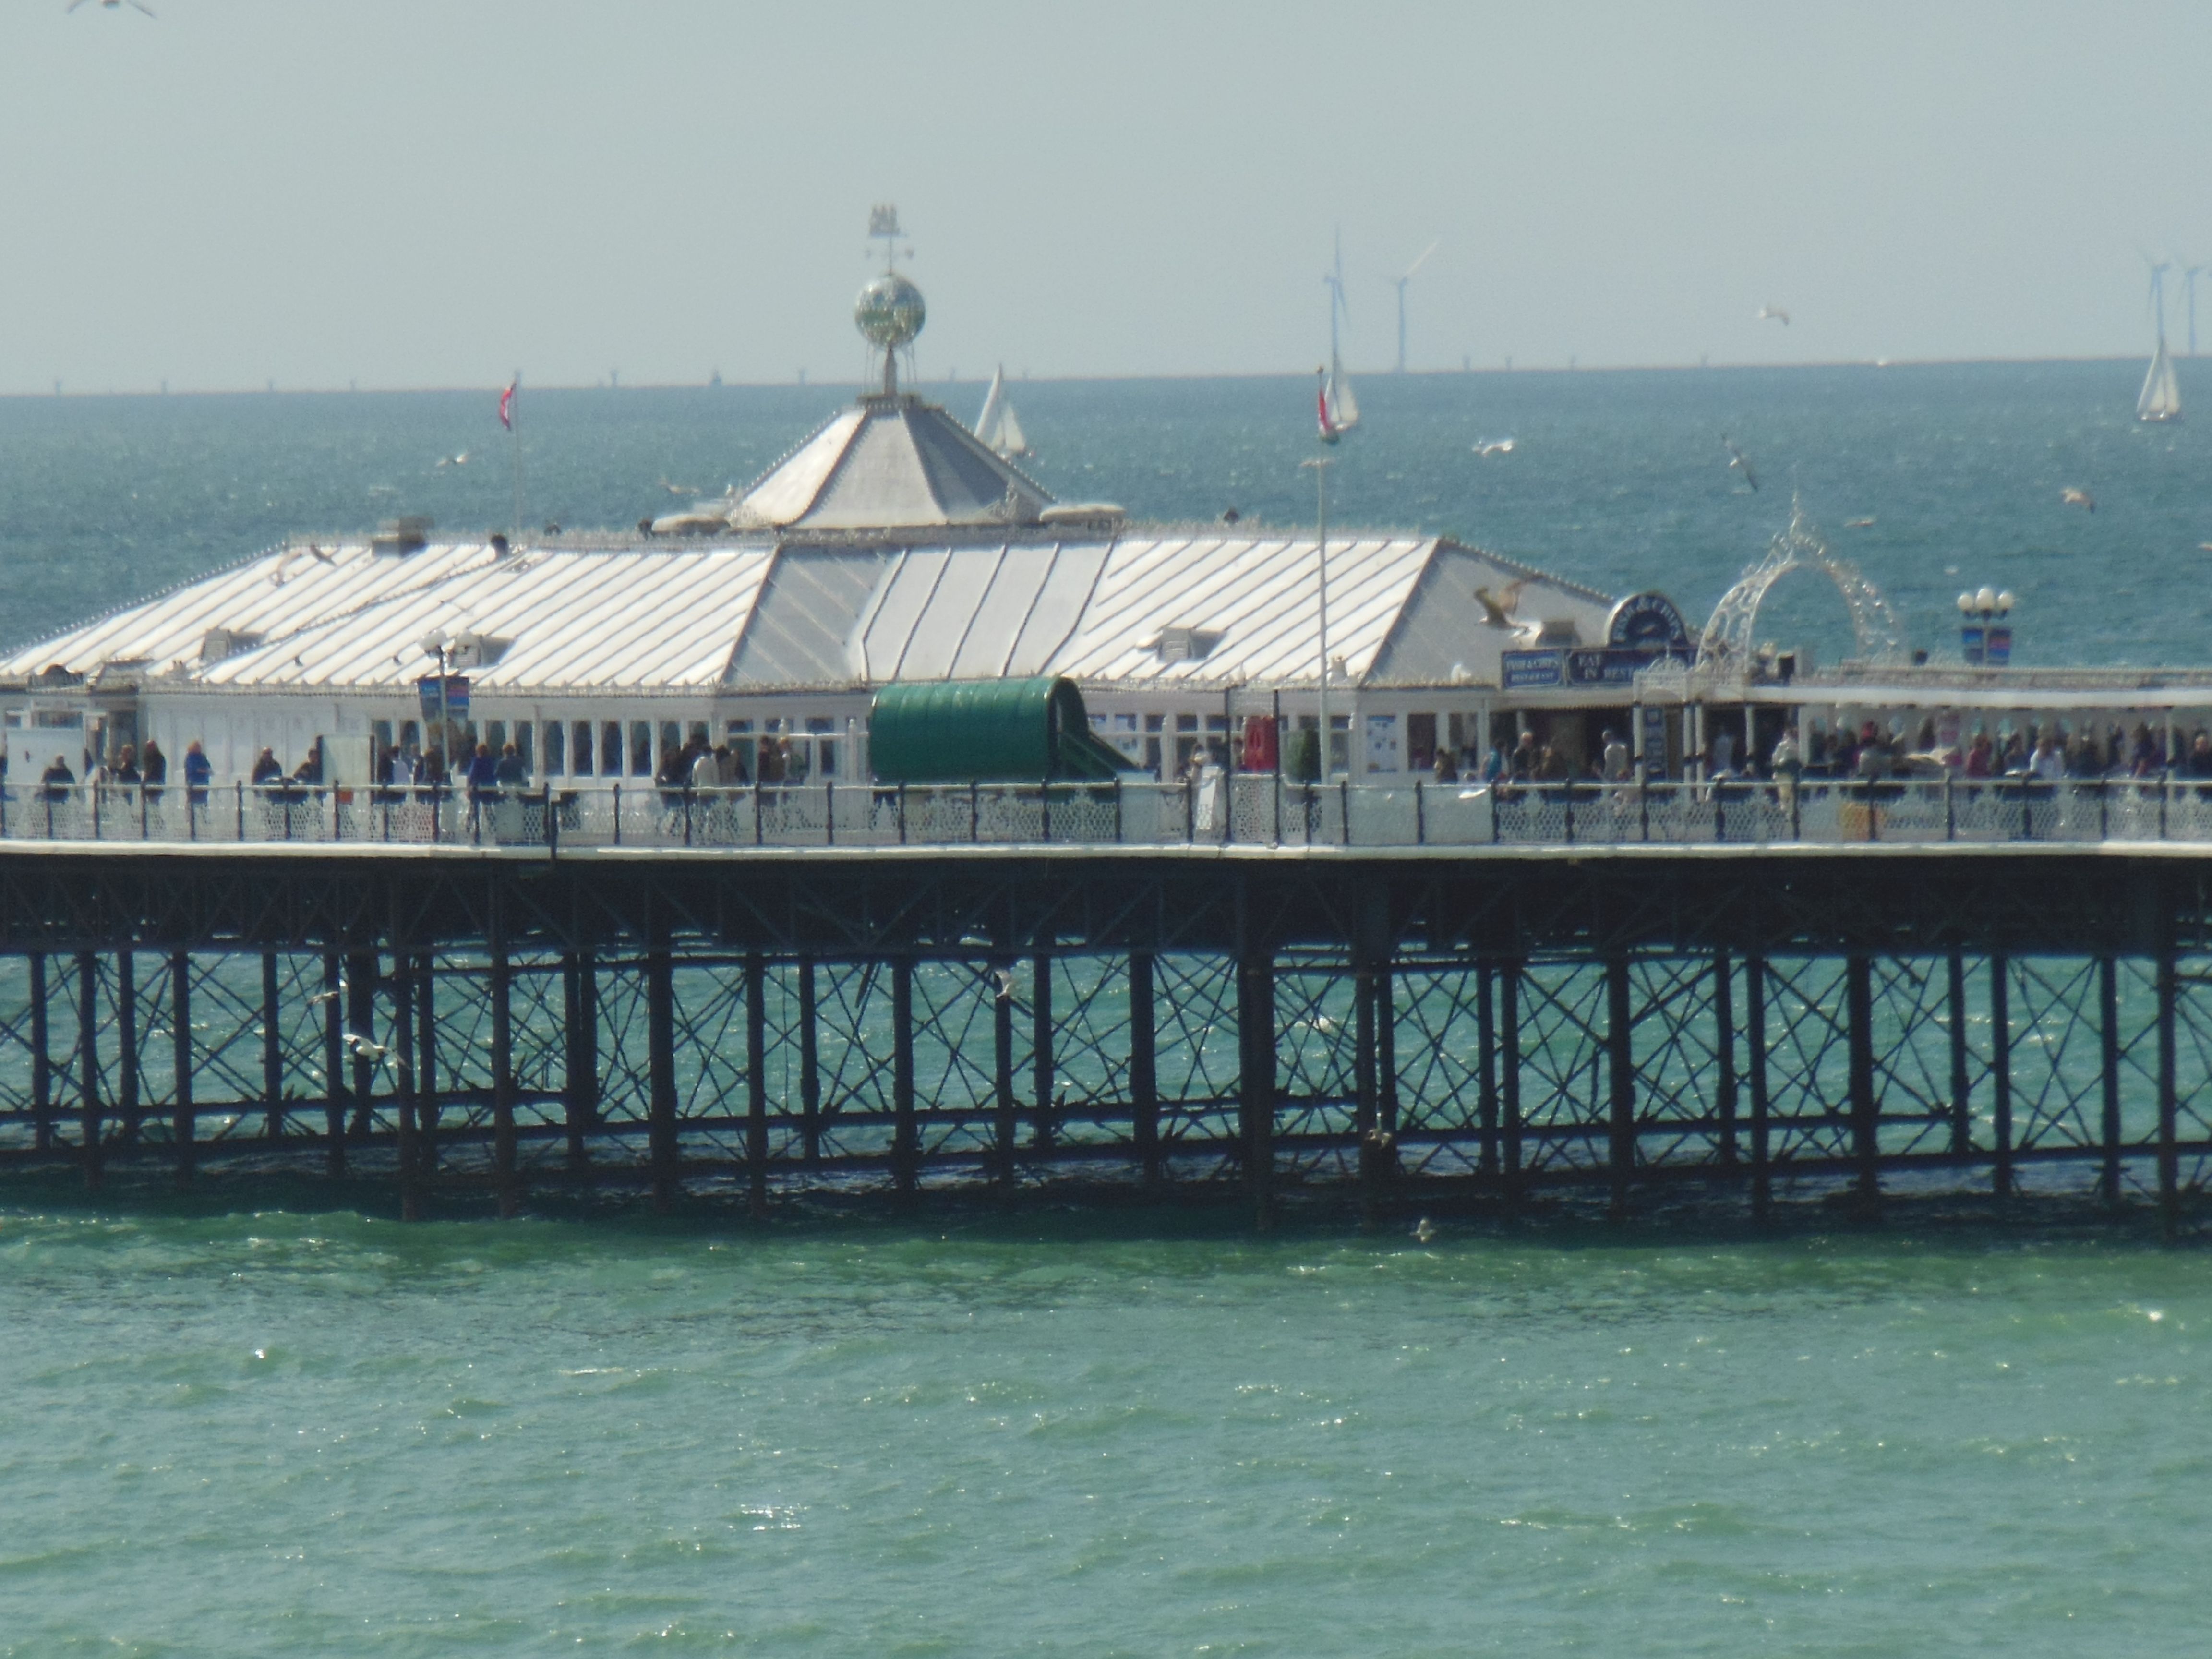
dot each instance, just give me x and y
(408, 193)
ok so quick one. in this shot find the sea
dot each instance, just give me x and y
(272, 1420)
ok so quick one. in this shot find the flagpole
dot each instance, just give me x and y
(514, 413)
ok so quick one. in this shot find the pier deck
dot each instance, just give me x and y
(1414, 1025)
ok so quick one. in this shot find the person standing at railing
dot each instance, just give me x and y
(1614, 759)
(154, 769)
(512, 772)
(126, 770)
(58, 780)
(2047, 765)
(1787, 765)
(267, 769)
(2199, 764)
(199, 772)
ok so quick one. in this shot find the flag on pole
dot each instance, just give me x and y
(506, 403)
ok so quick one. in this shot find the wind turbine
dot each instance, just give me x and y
(1333, 282)
(2189, 275)
(2158, 269)
(1402, 281)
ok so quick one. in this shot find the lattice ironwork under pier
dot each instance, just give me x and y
(1407, 1026)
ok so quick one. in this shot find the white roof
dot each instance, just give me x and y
(890, 462)
(654, 615)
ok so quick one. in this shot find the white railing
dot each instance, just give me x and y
(1241, 811)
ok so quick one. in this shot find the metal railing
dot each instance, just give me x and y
(1241, 810)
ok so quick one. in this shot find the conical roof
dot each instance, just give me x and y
(890, 463)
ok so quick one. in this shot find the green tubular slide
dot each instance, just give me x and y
(987, 731)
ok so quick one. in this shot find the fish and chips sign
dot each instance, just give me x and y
(1643, 629)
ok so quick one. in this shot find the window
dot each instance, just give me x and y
(699, 732)
(496, 735)
(380, 732)
(823, 744)
(672, 740)
(610, 751)
(640, 749)
(410, 735)
(524, 731)
(556, 750)
(1420, 742)
(580, 749)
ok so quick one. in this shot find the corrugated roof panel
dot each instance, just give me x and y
(806, 618)
(1059, 607)
(945, 623)
(787, 492)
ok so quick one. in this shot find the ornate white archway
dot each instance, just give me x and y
(1725, 649)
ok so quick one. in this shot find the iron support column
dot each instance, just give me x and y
(1256, 1030)
(501, 988)
(2001, 1072)
(42, 1060)
(2169, 1155)
(273, 1048)
(1754, 997)
(1620, 1066)
(1042, 1061)
(88, 1062)
(1144, 1067)
(660, 1061)
(757, 1086)
(425, 1079)
(334, 1086)
(403, 1040)
(1006, 1121)
(1508, 1073)
(186, 1124)
(1866, 1141)
(126, 1045)
(1725, 1088)
(1486, 1032)
(906, 1136)
(810, 1069)
(1962, 1100)
(2108, 1046)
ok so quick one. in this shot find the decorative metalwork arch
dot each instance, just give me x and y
(1727, 645)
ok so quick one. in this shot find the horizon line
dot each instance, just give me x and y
(62, 391)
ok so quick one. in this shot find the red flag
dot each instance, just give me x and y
(507, 404)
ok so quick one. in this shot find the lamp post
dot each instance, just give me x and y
(1981, 639)
(1320, 464)
(439, 647)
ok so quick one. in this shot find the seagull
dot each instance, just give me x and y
(1773, 314)
(376, 1053)
(1740, 461)
(1425, 1231)
(461, 459)
(676, 489)
(2070, 496)
(1498, 608)
(1494, 446)
(1858, 523)
(1003, 980)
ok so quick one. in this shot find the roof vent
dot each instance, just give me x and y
(1557, 630)
(410, 533)
(1104, 514)
(1186, 644)
(219, 643)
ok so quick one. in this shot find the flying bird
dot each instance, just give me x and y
(1858, 523)
(1773, 314)
(676, 489)
(1498, 608)
(461, 459)
(1739, 462)
(1005, 982)
(1494, 446)
(2070, 496)
(1425, 1231)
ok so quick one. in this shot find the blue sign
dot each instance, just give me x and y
(1654, 744)
(1647, 621)
(1971, 645)
(1528, 671)
(1999, 646)
(455, 702)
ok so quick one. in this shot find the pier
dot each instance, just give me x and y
(1483, 1023)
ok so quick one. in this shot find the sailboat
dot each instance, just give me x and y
(1340, 410)
(2160, 397)
(997, 425)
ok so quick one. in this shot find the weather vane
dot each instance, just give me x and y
(889, 312)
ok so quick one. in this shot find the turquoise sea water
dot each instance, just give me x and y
(281, 1434)
(241, 1432)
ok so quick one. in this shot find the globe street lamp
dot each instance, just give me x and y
(1981, 639)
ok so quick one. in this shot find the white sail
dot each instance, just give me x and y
(997, 426)
(993, 400)
(2161, 399)
(1343, 406)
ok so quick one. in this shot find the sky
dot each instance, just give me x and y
(437, 192)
